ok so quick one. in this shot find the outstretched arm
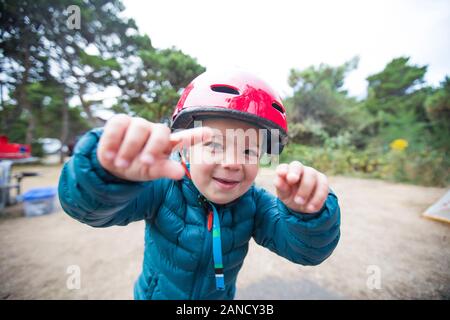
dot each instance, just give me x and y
(94, 196)
(305, 233)
(119, 174)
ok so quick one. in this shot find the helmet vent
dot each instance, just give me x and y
(224, 89)
(278, 107)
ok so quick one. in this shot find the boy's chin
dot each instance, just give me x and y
(222, 200)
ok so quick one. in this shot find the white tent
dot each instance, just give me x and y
(440, 210)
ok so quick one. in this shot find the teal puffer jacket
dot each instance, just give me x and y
(178, 258)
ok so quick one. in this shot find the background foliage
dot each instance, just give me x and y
(50, 74)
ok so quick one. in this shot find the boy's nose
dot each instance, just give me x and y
(231, 160)
(231, 165)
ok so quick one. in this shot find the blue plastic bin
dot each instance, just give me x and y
(39, 201)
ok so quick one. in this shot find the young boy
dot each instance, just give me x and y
(202, 209)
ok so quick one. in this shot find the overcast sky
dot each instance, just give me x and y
(270, 37)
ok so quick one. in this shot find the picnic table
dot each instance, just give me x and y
(10, 181)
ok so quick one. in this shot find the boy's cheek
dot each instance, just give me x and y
(252, 173)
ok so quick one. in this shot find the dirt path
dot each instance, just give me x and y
(382, 231)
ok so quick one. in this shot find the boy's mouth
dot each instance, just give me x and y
(226, 184)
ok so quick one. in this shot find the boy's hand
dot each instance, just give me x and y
(302, 189)
(138, 150)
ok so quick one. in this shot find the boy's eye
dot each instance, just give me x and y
(250, 152)
(214, 146)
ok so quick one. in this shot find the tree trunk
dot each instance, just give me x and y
(87, 108)
(23, 99)
(64, 129)
(29, 137)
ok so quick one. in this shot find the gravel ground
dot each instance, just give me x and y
(383, 235)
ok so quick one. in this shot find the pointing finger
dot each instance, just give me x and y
(192, 136)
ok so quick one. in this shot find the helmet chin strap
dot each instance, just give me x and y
(186, 169)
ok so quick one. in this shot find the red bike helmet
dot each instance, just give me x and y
(236, 95)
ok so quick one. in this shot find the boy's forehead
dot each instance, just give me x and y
(224, 124)
(228, 130)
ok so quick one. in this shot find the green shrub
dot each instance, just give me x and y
(426, 167)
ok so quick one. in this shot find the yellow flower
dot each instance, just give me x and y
(399, 144)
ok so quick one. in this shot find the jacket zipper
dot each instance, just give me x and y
(204, 262)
